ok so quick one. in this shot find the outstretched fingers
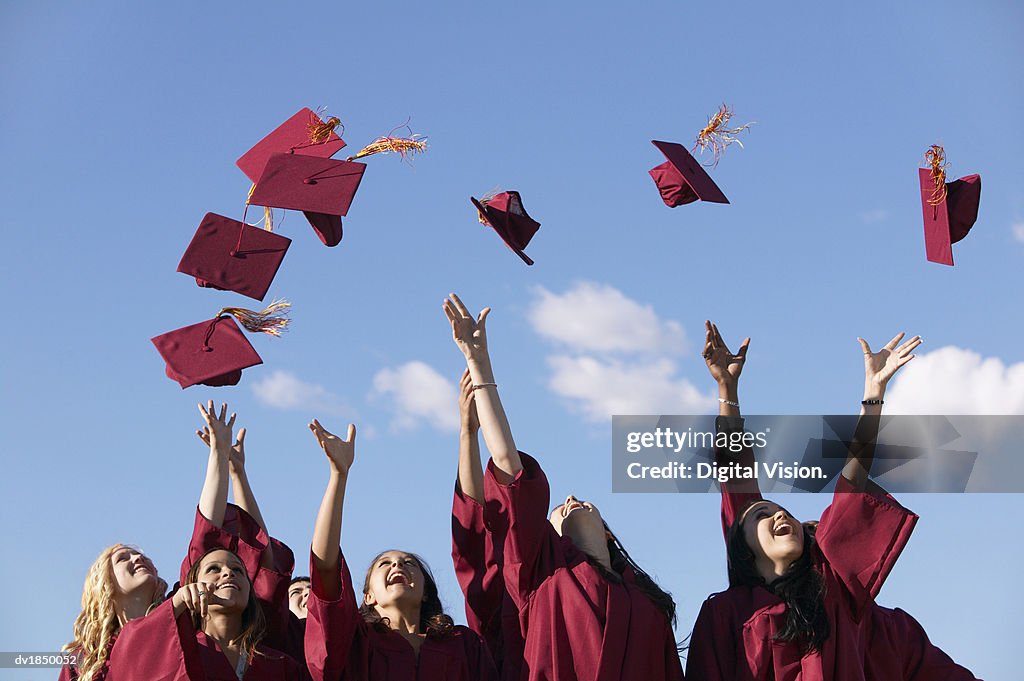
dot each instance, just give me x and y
(891, 345)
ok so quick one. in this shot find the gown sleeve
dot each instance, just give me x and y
(532, 549)
(157, 647)
(712, 652)
(477, 567)
(736, 494)
(861, 535)
(239, 534)
(331, 626)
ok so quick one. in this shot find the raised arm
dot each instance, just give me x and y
(726, 367)
(471, 473)
(471, 337)
(879, 368)
(214, 497)
(244, 497)
(327, 533)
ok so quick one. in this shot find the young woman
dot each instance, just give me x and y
(214, 626)
(586, 609)
(122, 584)
(298, 594)
(477, 547)
(801, 598)
(398, 629)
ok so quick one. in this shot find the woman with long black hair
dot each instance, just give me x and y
(587, 611)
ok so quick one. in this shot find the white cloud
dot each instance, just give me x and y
(593, 317)
(1018, 231)
(954, 380)
(284, 390)
(616, 355)
(418, 394)
(875, 216)
(601, 387)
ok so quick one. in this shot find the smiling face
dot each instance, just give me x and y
(775, 537)
(298, 595)
(395, 579)
(224, 576)
(134, 573)
(579, 520)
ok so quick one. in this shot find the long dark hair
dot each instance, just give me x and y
(433, 620)
(620, 560)
(802, 588)
(254, 625)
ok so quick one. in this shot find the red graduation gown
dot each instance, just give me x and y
(858, 540)
(578, 624)
(341, 646)
(490, 611)
(159, 647)
(898, 649)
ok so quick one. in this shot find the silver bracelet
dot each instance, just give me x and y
(477, 386)
(729, 402)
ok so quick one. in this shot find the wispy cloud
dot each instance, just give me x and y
(615, 355)
(418, 394)
(284, 390)
(1018, 231)
(954, 380)
(599, 318)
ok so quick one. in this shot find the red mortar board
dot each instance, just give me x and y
(505, 213)
(229, 255)
(951, 219)
(321, 188)
(294, 135)
(211, 353)
(682, 179)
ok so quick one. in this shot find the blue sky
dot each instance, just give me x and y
(121, 125)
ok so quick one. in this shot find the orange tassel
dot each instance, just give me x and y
(320, 130)
(271, 320)
(413, 144)
(716, 136)
(936, 158)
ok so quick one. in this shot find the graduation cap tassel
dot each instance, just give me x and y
(936, 158)
(398, 145)
(272, 320)
(320, 130)
(716, 136)
(268, 216)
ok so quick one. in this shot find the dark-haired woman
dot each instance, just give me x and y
(585, 608)
(213, 626)
(398, 630)
(801, 601)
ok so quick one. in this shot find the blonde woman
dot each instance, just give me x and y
(122, 585)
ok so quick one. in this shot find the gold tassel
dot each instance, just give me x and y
(271, 320)
(320, 130)
(413, 144)
(936, 158)
(268, 213)
(484, 200)
(716, 136)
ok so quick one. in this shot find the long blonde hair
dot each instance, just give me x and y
(98, 624)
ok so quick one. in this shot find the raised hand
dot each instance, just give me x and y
(468, 418)
(469, 333)
(880, 366)
(341, 453)
(725, 367)
(218, 427)
(236, 458)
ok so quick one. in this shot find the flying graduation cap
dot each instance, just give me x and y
(950, 208)
(230, 255)
(681, 179)
(215, 352)
(304, 133)
(323, 188)
(504, 213)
